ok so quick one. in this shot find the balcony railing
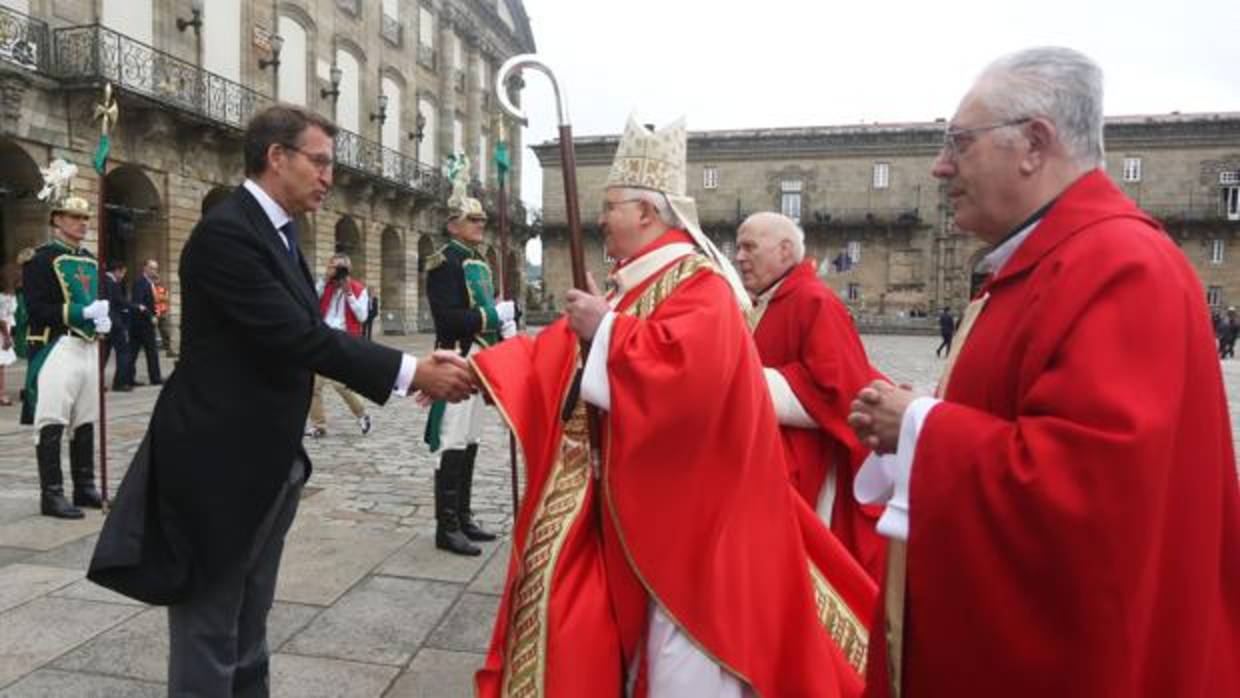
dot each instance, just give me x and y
(869, 215)
(1189, 211)
(427, 56)
(24, 40)
(369, 158)
(93, 52)
(391, 30)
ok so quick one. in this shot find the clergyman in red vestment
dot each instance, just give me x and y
(814, 365)
(680, 561)
(1063, 515)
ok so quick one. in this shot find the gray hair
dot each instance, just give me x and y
(779, 227)
(1056, 83)
(657, 200)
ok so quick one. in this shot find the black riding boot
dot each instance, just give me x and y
(448, 534)
(82, 467)
(464, 509)
(52, 500)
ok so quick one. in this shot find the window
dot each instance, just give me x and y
(882, 175)
(426, 28)
(292, 61)
(1230, 177)
(1132, 169)
(1214, 296)
(458, 136)
(1231, 203)
(428, 149)
(790, 199)
(854, 252)
(710, 177)
(854, 292)
(1218, 247)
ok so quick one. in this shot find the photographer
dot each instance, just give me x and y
(344, 305)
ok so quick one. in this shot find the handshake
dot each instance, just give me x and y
(444, 375)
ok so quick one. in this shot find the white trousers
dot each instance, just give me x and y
(68, 385)
(462, 424)
(678, 669)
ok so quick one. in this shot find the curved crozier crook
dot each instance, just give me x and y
(514, 66)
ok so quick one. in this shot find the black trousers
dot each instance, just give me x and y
(118, 340)
(218, 638)
(143, 336)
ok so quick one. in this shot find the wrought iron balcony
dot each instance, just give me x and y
(838, 217)
(88, 54)
(391, 30)
(1189, 211)
(24, 41)
(427, 56)
(365, 157)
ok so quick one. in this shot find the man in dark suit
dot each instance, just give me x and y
(121, 313)
(222, 464)
(142, 324)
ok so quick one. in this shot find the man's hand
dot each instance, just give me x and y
(444, 375)
(506, 310)
(585, 310)
(95, 310)
(103, 325)
(508, 330)
(877, 414)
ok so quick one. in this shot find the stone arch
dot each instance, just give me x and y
(135, 223)
(23, 218)
(426, 247)
(392, 281)
(349, 241)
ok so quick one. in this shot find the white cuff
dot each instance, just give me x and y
(885, 478)
(788, 409)
(408, 367)
(594, 386)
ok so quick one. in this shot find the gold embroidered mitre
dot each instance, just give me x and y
(648, 159)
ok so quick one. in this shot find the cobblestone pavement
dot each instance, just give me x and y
(365, 606)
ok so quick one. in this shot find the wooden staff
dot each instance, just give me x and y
(107, 114)
(502, 203)
(568, 165)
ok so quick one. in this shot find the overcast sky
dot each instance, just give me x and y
(786, 63)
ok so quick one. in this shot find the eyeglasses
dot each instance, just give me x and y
(609, 206)
(322, 163)
(958, 140)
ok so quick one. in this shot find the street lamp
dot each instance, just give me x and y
(195, 21)
(336, 74)
(277, 43)
(381, 115)
(419, 130)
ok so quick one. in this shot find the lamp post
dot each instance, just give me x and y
(195, 20)
(277, 43)
(419, 131)
(334, 92)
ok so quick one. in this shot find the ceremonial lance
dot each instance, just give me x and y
(502, 164)
(107, 114)
(568, 164)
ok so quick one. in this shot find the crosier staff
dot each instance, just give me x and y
(568, 165)
(107, 114)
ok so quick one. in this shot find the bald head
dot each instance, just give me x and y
(767, 246)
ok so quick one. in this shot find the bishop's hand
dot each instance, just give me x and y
(444, 375)
(877, 414)
(585, 309)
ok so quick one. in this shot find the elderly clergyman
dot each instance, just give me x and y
(814, 365)
(1069, 498)
(683, 563)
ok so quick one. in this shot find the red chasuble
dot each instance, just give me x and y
(1074, 528)
(692, 510)
(808, 336)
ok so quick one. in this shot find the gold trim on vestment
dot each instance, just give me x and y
(845, 629)
(525, 656)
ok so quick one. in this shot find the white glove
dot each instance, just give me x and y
(508, 329)
(506, 310)
(96, 310)
(103, 325)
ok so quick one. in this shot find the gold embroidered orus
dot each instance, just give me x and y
(526, 663)
(842, 625)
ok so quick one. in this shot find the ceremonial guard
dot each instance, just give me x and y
(65, 318)
(466, 313)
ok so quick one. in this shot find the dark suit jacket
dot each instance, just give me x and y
(143, 295)
(120, 311)
(228, 423)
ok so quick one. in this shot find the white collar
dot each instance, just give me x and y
(993, 262)
(633, 273)
(275, 212)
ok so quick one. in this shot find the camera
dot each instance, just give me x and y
(341, 273)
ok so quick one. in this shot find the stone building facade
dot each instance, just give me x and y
(879, 224)
(408, 82)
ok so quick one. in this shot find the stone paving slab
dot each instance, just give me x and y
(73, 555)
(381, 621)
(86, 590)
(23, 582)
(323, 560)
(45, 533)
(317, 677)
(495, 573)
(438, 674)
(421, 559)
(10, 555)
(50, 683)
(467, 627)
(43, 629)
